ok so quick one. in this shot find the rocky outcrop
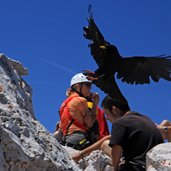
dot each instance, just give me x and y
(159, 158)
(25, 145)
(96, 161)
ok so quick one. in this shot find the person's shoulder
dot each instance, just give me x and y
(78, 99)
(136, 116)
(132, 114)
(128, 116)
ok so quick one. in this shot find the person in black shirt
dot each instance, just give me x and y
(132, 135)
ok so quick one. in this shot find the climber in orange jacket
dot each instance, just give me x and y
(79, 121)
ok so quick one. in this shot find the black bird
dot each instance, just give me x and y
(132, 70)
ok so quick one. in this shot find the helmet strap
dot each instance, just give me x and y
(79, 92)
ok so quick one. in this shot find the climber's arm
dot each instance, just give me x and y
(96, 146)
(116, 155)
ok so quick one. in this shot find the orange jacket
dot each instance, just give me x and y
(74, 107)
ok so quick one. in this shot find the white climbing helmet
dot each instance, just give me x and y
(79, 78)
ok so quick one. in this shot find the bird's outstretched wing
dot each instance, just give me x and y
(92, 32)
(101, 50)
(139, 70)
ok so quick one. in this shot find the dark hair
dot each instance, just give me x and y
(108, 102)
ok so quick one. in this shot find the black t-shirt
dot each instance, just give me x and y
(137, 134)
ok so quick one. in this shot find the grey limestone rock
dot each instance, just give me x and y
(25, 145)
(159, 158)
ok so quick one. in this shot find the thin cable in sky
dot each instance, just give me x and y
(56, 65)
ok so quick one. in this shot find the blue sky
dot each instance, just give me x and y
(47, 38)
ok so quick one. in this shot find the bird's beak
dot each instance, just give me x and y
(103, 47)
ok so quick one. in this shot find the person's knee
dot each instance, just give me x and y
(104, 145)
(106, 148)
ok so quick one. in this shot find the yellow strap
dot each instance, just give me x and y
(90, 105)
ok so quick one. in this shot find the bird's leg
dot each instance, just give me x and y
(88, 72)
(90, 75)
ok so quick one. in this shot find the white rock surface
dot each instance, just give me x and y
(25, 145)
(159, 158)
(96, 161)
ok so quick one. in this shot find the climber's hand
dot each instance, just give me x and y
(76, 156)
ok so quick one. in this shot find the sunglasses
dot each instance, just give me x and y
(87, 84)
